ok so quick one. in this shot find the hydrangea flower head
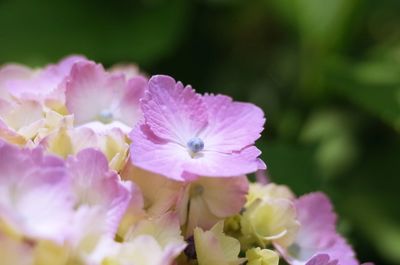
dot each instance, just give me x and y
(185, 134)
(146, 172)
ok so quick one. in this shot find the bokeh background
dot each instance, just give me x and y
(326, 73)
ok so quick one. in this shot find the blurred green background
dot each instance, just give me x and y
(326, 73)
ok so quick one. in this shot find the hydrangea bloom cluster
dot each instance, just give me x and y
(111, 167)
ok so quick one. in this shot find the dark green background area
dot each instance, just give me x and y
(326, 73)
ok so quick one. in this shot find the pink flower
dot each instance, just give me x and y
(44, 85)
(98, 98)
(96, 186)
(35, 193)
(317, 235)
(185, 135)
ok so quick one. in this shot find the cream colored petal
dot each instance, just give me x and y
(258, 256)
(215, 248)
(160, 194)
(165, 229)
(272, 220)
(270, 191)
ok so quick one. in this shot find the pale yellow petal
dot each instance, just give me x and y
(215, 248)
(258, 256)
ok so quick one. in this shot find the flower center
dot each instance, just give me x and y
(105, 116)
(195, 144)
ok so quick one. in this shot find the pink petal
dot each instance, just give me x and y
(129, 110)
(129, 70)
(151, 153)
(90, 90)
(225, 196)
(262, 177)
(45, 84)
(173, 112)
(231, 125)
(209, 200)
(11, 72)
(216, 164)
(199, 215)
(87, 228)
(317, 234)
(35, 195)
(63, 68)
(95, 185)
(175, 116)
(316, 211)
(321, 259)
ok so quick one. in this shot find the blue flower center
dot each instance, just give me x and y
(105, 116)
(195, 144)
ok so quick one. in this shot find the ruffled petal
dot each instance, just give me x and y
(151, 153)
(170, 159)
(217, 164)
(172, 111)
(231, 125)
